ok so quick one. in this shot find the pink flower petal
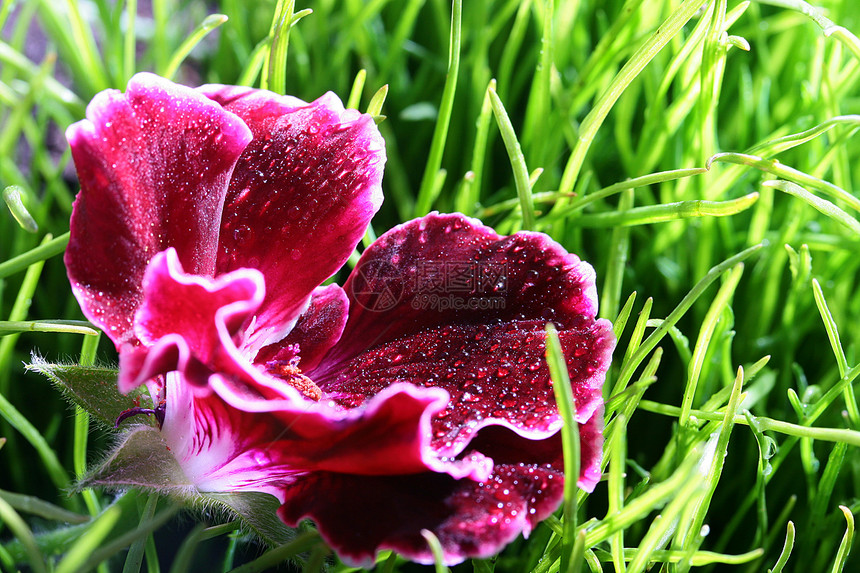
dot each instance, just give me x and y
(188, 322)
(388, 436)
(471, 519)
(154, 165)
(190, 325)
(220, 448)
(300, 199)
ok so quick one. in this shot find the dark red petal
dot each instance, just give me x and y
(317, 330)
(490, 355)
(300, 199)
(154, 165)
(450, 269)
(359, 515)
(495, 375)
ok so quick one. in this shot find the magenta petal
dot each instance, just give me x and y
(359, 516)
(389, 436)
(318, 329)
(187, 321)
(300, 199)
(154, 165)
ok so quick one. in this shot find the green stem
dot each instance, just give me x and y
(44, 251)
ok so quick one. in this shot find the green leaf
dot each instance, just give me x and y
(93, 388)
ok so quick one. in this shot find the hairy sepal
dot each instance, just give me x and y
(94, 389)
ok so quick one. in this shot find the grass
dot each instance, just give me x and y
(701, 155)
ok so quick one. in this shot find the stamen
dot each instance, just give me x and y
(292, 374)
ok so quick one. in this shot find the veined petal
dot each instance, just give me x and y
(300, 198)
(361, 515)
(154, 165)
(219, 448)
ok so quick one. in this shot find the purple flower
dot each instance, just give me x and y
(415, 397)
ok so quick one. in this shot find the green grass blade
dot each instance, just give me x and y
(570, 444)
(467, 200)
(129, 49)
(85, 48)
(36, 506)
(374, 108)
(276, 65)
(300, 544)
(630, 365)
(786, 549)
(94, 536)
(436, 550)
(210, 23)
(821, 205)
(668, 212)
(10, 518)
(518, 160)
(354, 98)
(847, 540)
(134, 558)
(592, 122)
(429, 188)
(720, 303)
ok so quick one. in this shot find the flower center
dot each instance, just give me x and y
(292, 375)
